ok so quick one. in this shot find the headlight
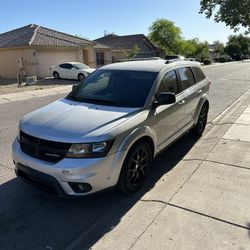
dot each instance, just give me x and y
(89, 150)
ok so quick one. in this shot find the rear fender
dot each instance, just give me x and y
(203, 99)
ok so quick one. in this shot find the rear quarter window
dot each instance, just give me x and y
(198, 74)
(186, 77)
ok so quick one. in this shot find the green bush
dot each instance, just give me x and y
(207, 61)
(223, 59)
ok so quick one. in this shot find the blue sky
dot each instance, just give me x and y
(90, 18)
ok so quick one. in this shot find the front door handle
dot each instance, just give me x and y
(182, 102)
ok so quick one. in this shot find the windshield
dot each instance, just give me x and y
(81, 66)
(120, 88)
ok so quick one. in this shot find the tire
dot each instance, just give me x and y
(81, 77)
(56, 75)
(202, 121)
(135, 168)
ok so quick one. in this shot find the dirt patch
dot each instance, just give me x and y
(10, 85)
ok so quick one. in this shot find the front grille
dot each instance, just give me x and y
(41, 149)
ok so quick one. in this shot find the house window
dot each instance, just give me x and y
(99, 58)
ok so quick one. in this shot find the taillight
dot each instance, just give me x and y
(209, 83)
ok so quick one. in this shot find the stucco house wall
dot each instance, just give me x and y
(32, 50)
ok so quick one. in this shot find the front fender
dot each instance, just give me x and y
(126, 145)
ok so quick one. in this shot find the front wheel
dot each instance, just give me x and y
(202, 121)
(81, 77)
(135, 168)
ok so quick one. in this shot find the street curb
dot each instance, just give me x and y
(12, 97)
(218, 64)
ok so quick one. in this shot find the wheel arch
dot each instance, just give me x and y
(203, 101)
(135, 137)
(81, 73)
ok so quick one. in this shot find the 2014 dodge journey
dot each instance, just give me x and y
(108, 130)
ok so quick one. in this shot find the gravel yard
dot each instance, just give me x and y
(10, 85)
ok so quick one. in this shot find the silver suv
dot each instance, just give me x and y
(108, 130)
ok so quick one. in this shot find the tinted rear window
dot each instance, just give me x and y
(65, 66)
(198, 74)
(169, 83)
(186, 77)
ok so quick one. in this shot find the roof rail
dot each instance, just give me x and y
(140, 59)
(172, 60)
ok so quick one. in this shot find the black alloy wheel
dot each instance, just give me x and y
(81, 77)
(202, 121)
(135, 168)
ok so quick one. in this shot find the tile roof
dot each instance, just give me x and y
(34, 35)
(127, 42)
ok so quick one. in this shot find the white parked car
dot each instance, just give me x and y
(71, 70)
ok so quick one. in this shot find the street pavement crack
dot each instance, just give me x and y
(171, 198)
(199, 213)
(223, 123)
(209, 216)
(196, 212)
(228, 164)
(210, 138)
(236, 140)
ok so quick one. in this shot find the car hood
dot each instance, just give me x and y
(87, 70)
(70, 121)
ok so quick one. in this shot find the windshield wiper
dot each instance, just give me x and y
(74, 98)
(91, 100)
(98, 101)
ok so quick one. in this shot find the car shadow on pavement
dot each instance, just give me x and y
(33, 219)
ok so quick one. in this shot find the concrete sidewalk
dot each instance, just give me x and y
(202, 203)
(6, 98)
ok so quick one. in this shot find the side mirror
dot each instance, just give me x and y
(164, 98)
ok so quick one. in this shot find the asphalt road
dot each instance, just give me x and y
(32, 219)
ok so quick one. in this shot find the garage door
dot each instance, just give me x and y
(50, 58)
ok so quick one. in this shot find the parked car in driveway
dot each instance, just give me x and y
(71, 70)
(109, 128)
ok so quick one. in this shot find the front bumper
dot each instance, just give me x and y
(64, 176)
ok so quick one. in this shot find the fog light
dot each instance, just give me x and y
(80, 187)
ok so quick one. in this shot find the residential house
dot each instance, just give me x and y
(123, 45)
(33, 49)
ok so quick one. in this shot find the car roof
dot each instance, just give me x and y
(72, 62)
(148, 65)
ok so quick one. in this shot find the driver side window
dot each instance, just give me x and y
(169, 83)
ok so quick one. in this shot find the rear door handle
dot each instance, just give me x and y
(182, 102)
(199, 91)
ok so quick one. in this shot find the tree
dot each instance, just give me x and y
(166, 35)
(238, 46)
(234, 13)
(219, 47)
(186, 48)
(201, 48)
(133, 53)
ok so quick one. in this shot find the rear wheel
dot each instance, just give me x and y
(202, 121)
(81, 77)
(135, 168)
(56, 75)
